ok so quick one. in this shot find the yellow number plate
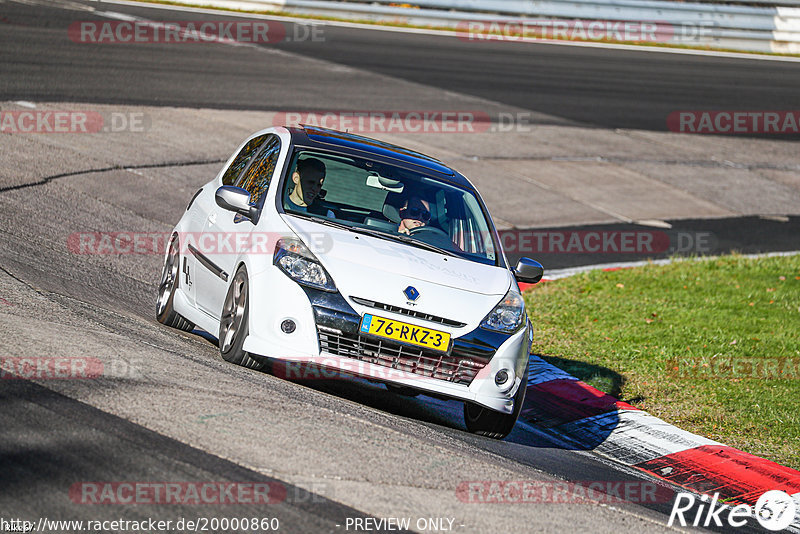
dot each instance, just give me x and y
(407, 333)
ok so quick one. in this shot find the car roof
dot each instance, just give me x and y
(360, 146)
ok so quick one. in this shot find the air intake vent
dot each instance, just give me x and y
(454, 367)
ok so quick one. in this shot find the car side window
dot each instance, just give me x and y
(256, 178)
(242, 159)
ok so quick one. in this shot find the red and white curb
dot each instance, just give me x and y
(578, 414)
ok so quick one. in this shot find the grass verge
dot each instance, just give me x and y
(711, 346)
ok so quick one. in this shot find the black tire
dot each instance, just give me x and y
(170, 278)
(492, 424)
(234, 325)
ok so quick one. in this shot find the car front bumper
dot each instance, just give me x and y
(466, 372)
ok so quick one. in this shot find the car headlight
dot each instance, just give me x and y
(508, 316)
(293, 258)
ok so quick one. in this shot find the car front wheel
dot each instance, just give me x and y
(170, 278)
(233, 323)
(492, 424)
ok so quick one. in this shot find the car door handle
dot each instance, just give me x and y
(212, 219)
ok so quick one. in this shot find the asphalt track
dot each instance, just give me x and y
(172, 410)
(606, 88)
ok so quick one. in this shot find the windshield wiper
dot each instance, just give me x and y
(319, 220)
(405, 239)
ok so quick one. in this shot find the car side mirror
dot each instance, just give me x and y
(237, 200)
(528, 271)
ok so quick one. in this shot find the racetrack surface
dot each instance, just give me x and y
(166, 407)
(562, 84)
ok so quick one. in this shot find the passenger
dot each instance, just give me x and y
(308, 178)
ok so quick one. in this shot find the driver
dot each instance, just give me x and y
(415, 212)
(308, 180)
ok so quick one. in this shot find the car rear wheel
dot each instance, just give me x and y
(492, 424)
(170, 278)
(233, 324)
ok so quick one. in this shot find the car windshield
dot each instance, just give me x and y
(388, 202)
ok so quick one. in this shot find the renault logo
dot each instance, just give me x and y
(411, 293)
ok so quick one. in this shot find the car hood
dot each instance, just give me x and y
(378, 269)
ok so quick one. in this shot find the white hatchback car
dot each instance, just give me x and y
(328, 248)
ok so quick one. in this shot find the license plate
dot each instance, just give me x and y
(405, 333)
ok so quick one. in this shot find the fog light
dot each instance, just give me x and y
(504, 379)
(288, 326)
(501, 377)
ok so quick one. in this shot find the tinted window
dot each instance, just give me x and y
(257, 176)
(242, 159)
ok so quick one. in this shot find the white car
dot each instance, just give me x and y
(328, 248)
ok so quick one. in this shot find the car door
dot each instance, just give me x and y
(226, 234)
(200, 251)
(196, 223)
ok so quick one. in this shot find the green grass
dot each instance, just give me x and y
(663, 338)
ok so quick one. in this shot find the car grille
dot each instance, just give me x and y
(453, 367)
(410, 313)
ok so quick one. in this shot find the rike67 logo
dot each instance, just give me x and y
(775, 510)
